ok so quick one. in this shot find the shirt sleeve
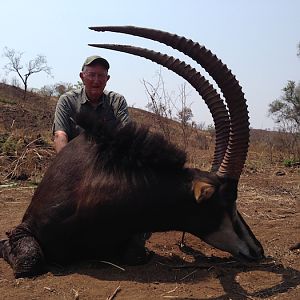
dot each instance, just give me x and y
(62, 116)
(120, 108)
(122, 112)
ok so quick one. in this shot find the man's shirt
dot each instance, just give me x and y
(112, 107)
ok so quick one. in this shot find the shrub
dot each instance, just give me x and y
(10, 145)
(291, 162)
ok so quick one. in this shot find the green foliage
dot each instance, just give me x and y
(9, 144)
(291, 162)
(286, 109)
(3, 138)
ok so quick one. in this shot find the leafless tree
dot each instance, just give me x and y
(4, 80)
(36, 65)
(160, 103)
(15, 82)
(185, 115)
(47, 91)
(163, 105)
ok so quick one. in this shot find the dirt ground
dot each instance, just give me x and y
(270, 205)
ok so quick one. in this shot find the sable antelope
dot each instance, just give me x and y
(109, 184)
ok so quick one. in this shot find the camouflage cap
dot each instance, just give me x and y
(95, 59)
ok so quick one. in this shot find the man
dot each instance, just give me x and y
(111, 107)
(108, 105)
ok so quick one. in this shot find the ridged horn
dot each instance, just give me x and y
(202, 86)
(236, 152)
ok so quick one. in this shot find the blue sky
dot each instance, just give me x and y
(256, 39)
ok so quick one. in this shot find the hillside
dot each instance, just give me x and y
(26, 138)
(31, 116)
(26, 134)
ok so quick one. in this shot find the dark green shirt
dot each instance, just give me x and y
(112, 107)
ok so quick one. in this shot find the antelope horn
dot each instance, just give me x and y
(237, 148)
(203, 87)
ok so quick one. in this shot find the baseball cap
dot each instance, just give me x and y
(95, 58)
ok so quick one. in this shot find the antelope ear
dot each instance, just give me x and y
(202, 190)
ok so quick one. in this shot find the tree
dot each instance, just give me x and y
(163, 105)
(286, 109)
(63, 87)
(298, 50)
(185, 115)
(78, 85)
(36, 65)
(47, 91)
(159, 102)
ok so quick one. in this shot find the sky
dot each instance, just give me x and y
(256, 39)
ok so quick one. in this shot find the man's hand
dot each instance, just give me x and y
(60, 140)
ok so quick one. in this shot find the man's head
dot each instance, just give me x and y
(95, 60)
(94, 75)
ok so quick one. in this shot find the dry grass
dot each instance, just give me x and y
(26, 139)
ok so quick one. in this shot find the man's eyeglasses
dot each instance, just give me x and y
(92, 75)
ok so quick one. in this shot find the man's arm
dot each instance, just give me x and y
(119, 106)
(60, 140)
(122, 113)
(61, 124)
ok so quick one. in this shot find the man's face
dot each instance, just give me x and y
(94, 79)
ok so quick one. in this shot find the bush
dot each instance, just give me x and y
(291, 162)
(7, 101)
(10, 145)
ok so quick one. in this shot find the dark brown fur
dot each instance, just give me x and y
(104, 188)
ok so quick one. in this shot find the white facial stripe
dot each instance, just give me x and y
(226, 238)
(246, 236)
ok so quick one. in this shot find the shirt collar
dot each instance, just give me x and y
(85, 99)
